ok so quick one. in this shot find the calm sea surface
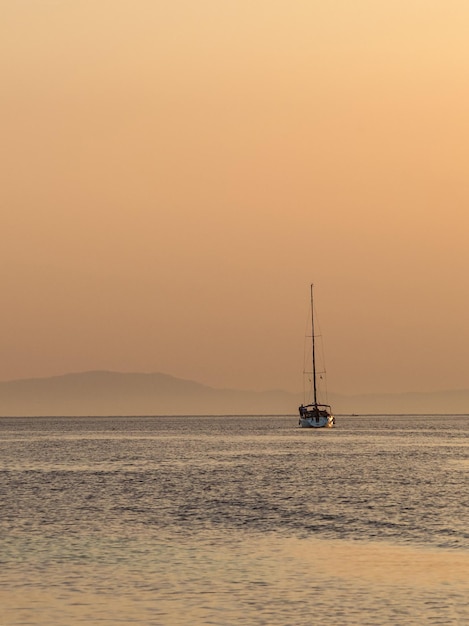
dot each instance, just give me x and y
(234, 520)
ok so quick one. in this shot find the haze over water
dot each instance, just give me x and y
(175, 174)
(250, 520)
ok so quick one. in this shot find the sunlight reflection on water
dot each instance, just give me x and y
(148, 521)
(239, 580)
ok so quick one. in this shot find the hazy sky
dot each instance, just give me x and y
(175, 173)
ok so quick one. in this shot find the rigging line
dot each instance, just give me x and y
(307, 356)
(323, 361)
(318, 335)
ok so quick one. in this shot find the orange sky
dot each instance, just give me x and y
(175, 174)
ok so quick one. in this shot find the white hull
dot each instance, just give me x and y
(317, 422)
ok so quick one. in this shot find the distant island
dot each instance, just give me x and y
(115, 393)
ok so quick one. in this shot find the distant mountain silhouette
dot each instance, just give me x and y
(432, 402)
(113, 393)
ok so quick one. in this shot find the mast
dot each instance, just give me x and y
(314, 356)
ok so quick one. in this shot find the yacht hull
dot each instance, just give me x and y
(319, 421)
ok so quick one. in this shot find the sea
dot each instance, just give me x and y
(222, 520)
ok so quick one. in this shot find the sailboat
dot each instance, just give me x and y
(315, 415)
